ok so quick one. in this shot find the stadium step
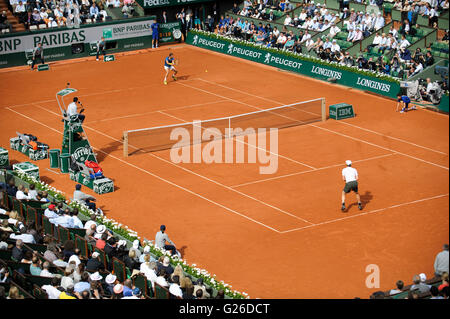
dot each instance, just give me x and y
(13, 20)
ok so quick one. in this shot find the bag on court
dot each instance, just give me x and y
(33, 145)
(32, 137)
(74, 165)
(98, 171)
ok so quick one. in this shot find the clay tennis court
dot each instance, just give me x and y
(272, 236)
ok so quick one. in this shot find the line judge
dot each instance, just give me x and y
(350, 176)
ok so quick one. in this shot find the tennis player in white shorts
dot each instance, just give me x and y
(350, 176)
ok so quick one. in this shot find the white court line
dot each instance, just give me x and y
(394, 138)
(151, 112)
(241, 141)
(194, 173)
(237, 101)
(154, 175)
(309, 171)
(365, 213)
(340, 122)
(225, 186)
(331, 131)
(93, 94)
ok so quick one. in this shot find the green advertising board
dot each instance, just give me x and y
(289, 62)
(169, 32)
(148, 4)
(109, 58)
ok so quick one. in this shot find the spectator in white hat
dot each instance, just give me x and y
(146, 252)
(350, 177)
(136, 250)
(111, 281)
(94, 263)
(419, 285)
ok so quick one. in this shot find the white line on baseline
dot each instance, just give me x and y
(331, 131)
(95, 93)
(151, 112)
(365, 213)
(309, 171)
(340, 122)
(391, 137)
(156, 176)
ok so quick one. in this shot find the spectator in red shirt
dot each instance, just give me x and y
(101, 242)
(444, 281)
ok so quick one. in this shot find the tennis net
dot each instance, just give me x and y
(168, 136)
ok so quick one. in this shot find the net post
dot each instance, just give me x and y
(324, 111)
(125, 144)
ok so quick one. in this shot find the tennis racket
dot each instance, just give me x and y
(176, 61)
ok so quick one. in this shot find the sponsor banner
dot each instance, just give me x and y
(160, 3)
(304, 67)
(66, 37)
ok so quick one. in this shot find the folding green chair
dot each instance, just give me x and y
(161, 292)
(77, 231)
(141, 282)
(31, 214)
(63, 234)
(82, 245)
(119, 269)
(48, 227)
(39, 293)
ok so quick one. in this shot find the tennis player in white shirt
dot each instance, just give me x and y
(350, 176)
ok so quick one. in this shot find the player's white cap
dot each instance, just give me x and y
(348, 162)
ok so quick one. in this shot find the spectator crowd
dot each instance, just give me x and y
(421, 287)
(70, 13)
(75, 276)
(388, 52)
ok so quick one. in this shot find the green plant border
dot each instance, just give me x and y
(131, 235)
(298, 56)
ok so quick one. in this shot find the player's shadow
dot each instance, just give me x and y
(182, 250)
(183, 77)
(365, 199)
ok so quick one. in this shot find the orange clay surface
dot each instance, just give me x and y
(272, 236)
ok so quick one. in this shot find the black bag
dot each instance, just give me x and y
(32, 137)
(74, 165)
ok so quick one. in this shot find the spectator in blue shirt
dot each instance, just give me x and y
(93, 11)
(83, 284)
